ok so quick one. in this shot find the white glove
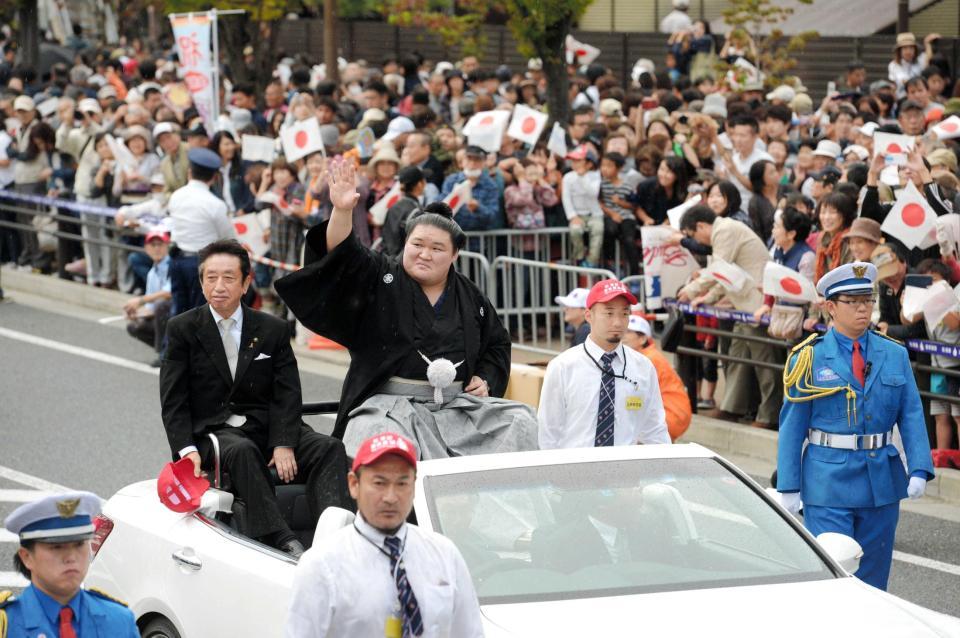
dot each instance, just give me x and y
(791, 501)
(917, 486)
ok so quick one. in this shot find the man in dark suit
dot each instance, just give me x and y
(230, 370)
(416, 152)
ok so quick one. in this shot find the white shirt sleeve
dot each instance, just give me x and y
(222, 222)
(466, 610)
(552, 414)
(653, 420)
(187, 450)
(312, 599)
(566, 195)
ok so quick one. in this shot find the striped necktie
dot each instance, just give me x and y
(605, 415)
(412, 622)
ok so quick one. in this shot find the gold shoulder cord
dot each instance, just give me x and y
(800, 378)
(5, 596)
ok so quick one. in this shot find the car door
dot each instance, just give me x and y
(223, 585)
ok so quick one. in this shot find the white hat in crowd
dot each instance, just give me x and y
(577, 298)
(827, 148)
(639, 324)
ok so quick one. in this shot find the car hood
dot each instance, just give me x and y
(836, 607)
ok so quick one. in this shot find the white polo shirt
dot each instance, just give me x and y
(570, 399)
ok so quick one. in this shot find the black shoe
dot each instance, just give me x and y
(294, 548)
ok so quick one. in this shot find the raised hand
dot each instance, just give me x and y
(342, 182)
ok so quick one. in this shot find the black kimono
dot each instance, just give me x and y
(366, 301)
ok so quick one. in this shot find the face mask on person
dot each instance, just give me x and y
(472, 173)
(355, 89)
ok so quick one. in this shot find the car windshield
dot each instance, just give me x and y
(613, 528)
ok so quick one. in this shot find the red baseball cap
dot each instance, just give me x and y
(178, 488)
(157, 234)
(384, 443)
(608, 289)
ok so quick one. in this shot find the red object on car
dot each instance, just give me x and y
(178, 488)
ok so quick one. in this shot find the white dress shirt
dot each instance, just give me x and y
(570, 399)
(235, 332)
(344, 588)
(197, 217)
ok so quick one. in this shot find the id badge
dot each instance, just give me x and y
(634, 403)
(393, 627)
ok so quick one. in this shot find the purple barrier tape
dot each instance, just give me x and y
(80, 207)
(917, 345)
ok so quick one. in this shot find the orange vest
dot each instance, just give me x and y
(676, 403)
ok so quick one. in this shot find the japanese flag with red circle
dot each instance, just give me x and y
(527, 124)
(731, 276)
(301, 139)
(947, 129)
(893, 147)
(461, 194)
(785, 283)
(379, 210)
(911, 218)
(485, 129)
(580, 52)
(250, 229)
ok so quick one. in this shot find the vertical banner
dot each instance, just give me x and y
(192, 33)
(665, 268)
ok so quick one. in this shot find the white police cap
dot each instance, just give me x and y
(57, 518)
(856, 278)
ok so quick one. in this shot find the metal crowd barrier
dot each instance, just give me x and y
(689, 351)
(550, 244)
(476, 268)
(523, 292)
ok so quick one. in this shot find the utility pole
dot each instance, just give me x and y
(29, 34)
(330, 40)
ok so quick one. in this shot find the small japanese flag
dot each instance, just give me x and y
(250, 229)
(947, 129)
(486, 128)
(301, 139)
(379, 210)
(892, 146)
(732, 277)
(580, 52)
(527, 124)
(461, 194)
(786, 283)
(557, 144)
(911, 218)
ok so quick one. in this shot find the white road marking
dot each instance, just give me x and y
(76, 350)
(8, 537)
(12, 579)
(104, 321)
(929, 563)
(31, 481)
(22, 496)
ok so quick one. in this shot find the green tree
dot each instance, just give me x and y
(775, 53)
(540, 28)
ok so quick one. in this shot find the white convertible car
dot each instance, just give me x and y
(596, 542)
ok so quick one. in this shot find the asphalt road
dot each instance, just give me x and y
(67, 419)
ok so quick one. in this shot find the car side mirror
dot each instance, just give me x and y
(842, 549)
(214, 502)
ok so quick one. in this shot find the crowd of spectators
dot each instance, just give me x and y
(776, 176)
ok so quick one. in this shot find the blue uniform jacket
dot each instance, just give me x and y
(99, 617)
(834, 477)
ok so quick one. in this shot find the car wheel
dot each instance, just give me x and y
(159, 627)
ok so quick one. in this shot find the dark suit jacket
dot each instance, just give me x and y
(198, 395)
(572, 545)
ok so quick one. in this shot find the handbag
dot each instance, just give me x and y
(672, 331)
(786, 322)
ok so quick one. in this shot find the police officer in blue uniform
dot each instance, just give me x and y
(843, 393)
(54, 555)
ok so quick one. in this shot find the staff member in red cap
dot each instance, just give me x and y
(601, 393)
(382, 576)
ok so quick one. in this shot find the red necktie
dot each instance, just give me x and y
(858, 364)
(66, 629)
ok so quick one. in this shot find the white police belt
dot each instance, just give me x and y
(236, 420)
(850, 441)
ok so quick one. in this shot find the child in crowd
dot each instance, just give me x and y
(581, 192)
(619, 221)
